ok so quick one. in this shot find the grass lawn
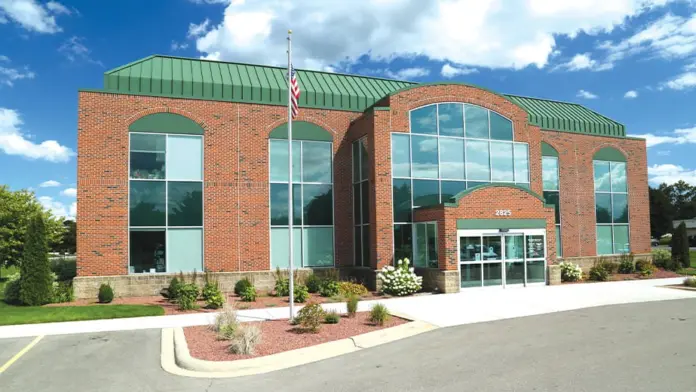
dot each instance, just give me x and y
(12, 315)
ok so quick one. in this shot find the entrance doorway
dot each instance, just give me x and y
(494, 258)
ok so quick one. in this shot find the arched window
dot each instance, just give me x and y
(312, 182)
(450, 147)
(165, 192)
(552, 187)
(611, 202)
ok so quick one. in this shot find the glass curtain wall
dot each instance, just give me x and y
(312, 196)
(165, 203)
(450, 147)
(611, 206)
(552, 194)
(361, 203)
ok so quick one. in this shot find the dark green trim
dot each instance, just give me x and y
(464, 224)
(302, 130)
(381, 108)
(166, 123)
(454, 201)
(609, 154)
(548, 151)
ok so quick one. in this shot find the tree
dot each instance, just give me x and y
(35, 271)
(15, 209)
(680, 246)
(661, 212)
(69, 240)
(683, 199)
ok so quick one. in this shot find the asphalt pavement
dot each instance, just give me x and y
(635, 347)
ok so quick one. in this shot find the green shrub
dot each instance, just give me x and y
(173, 289)
(245, 339)
(249, 294)
(215, 301)
(313, 283)
(188, 294)
(379, 314)
(210, 290)
(64, 268)
(570, 272)
(106, 293)
(611, 267)
(350, 288)
(400, 280)
(282, 284)
(626, 265)
(661, 257)
(332, 317)
(598, 273)
(226, 322)
(12, 288)
(690, 281)
(310, 317)
(329, 288)
(680, 246)
(63, 292)
(241, 285)
(352, 305)
(644, 265)
(36, 284)
(301, 293)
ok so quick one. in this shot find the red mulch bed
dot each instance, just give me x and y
(170, 308)
(278, 336)
(657, 274)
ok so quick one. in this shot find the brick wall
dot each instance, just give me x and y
(236, 198)
(482, 204)
(578, 221)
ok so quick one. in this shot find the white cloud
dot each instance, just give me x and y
(631, 94)
(485, 33)
(49, 184)
(14, 142)
(584, 61)
(664, 153)
(683, 81)
(69, 192)
(586, 95)
(74, 49)
(57, 208)
(210, 1)
(449, 71)
(678, 136)
(9, 75)
(408, 73)
(178, 46)
(32, 15)
(4, 59)
(669, 174)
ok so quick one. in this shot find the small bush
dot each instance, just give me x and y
(310, 317)
(188, 294)
(332, 317)
(64, 268)
(352, 305)
(313, 283)
(216, 301)
(106, 293)
(661, 257)
(608, 265)
(598, 273)
(173, 289)
(12, 288)
(245, 339)
(644, 265)
(63, 292)
(249, 294)
(570, 272)
(211, 288)
(690, 281)
(241, 285)
(379, 314)
(626, 265)
(350, 288)
(282, 284)
(329, 288)
(301, 293)
(400, 280)
(226, 322)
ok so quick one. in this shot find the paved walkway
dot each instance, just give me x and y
(466, 307)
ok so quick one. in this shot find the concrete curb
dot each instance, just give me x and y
(177, 359)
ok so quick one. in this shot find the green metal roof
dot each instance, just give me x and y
(178, 77)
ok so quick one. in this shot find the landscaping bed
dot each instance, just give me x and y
(279, 336)
(657, 274)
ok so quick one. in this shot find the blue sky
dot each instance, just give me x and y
(631, 60)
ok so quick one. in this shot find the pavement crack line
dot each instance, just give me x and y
(355, 344)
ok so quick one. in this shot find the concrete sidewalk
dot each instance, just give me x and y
(468, 306)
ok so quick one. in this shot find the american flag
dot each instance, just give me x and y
(295, 91)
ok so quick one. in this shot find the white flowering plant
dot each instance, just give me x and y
(399, 280)
(570, 272)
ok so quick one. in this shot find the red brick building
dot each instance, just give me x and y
(182, 166)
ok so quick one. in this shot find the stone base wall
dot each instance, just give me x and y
(439, 281)
(587, 262)
(554, 274)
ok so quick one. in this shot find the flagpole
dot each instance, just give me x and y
(290, 195)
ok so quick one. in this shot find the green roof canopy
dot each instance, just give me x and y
(167, 76)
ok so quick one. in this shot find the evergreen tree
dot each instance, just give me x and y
(680, 246)
(35, 271)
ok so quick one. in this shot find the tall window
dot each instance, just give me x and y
(361, 203)
(551, 182)
(450, 147)
(312, 195)
(611, 206)
(165, 203)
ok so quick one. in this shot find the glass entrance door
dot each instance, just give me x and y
(514, 259)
